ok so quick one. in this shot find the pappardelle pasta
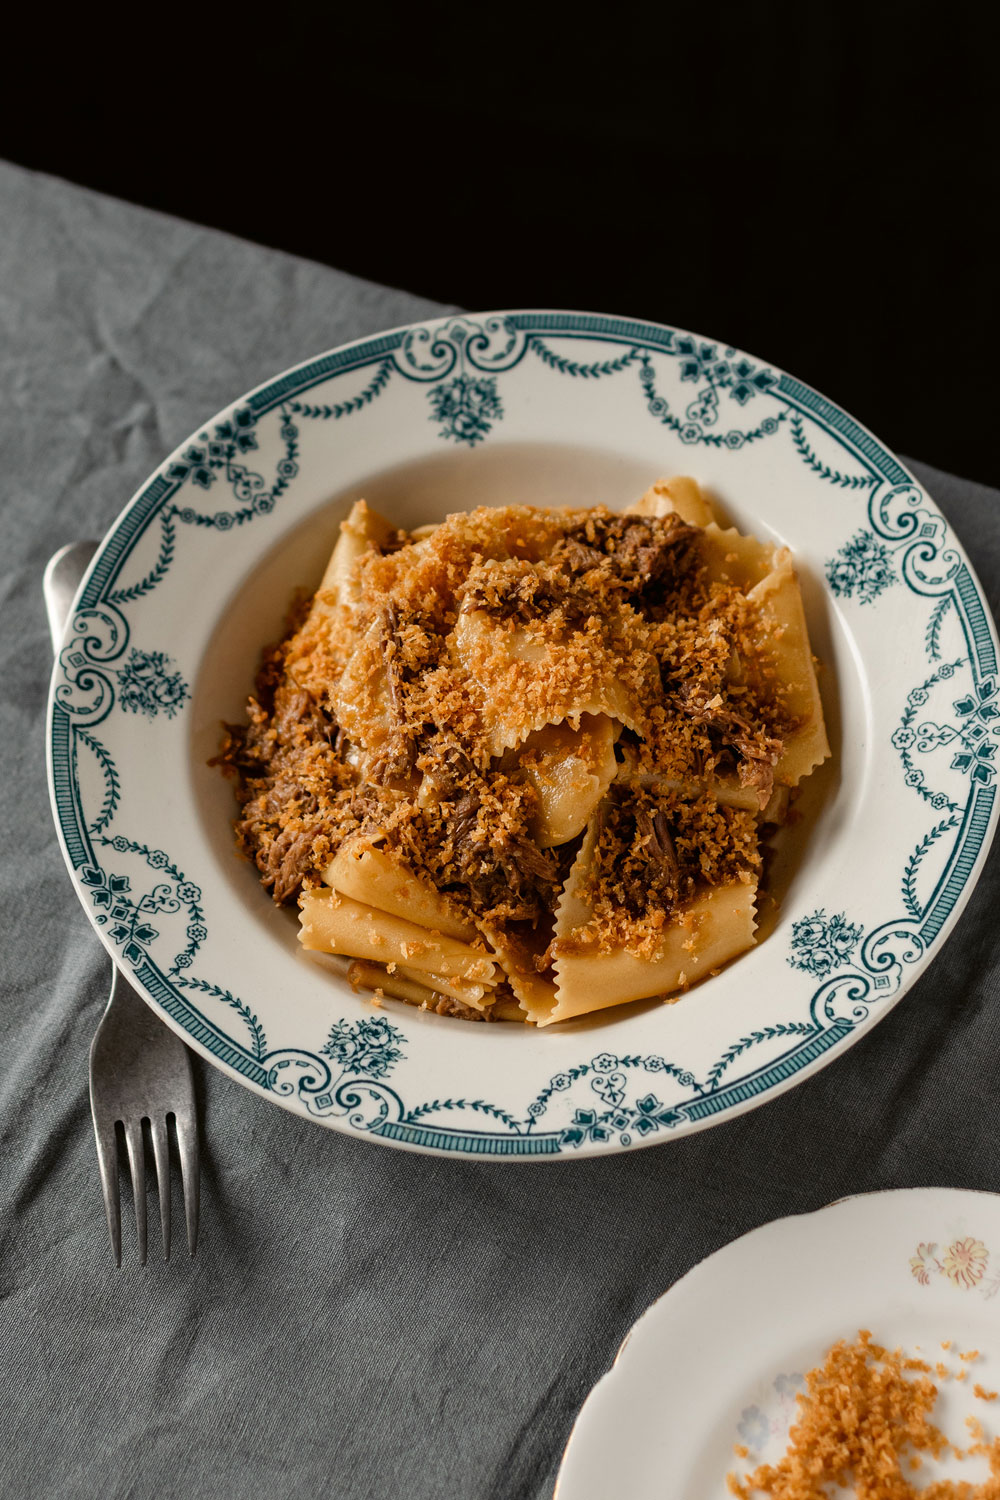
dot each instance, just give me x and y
(517, 766)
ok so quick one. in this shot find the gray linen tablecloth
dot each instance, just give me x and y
(358, 1322)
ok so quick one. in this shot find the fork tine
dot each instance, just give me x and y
(161, 1155)
(187, 1150)
(107, 1160)
(137, 1165)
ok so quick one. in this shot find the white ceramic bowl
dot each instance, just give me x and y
(530, 407)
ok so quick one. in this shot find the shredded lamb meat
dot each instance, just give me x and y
(640, 552)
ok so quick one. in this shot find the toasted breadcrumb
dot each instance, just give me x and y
(862, 1418)
(654, 852)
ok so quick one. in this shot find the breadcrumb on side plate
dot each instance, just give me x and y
(864, 1415)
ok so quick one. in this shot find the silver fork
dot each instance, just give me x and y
(140, 1070)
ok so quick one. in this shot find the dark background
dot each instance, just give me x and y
(814, 183)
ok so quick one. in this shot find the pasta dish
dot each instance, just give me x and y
(519, 765)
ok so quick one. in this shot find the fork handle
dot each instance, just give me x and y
(64, 574)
